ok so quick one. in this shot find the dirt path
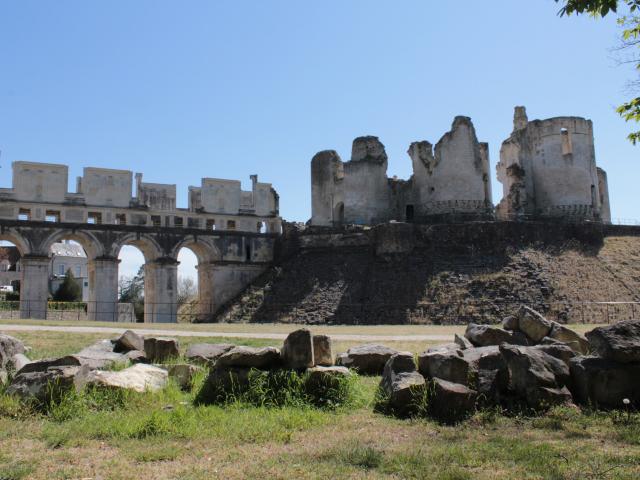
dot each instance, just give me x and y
(191, 333)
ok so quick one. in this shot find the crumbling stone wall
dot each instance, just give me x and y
(452, 178)
(548, 168)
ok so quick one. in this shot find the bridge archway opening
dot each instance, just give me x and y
(131, 282)
(188, 286)
(10, 272)
(70, 258)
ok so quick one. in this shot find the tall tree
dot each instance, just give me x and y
(630, 23)
(69, 290)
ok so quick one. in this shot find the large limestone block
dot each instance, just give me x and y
(451, 402)
(619, 342)
(368, 359)
(486, 335)
(531, 370)
(128, 341)
(263, 358)
(49, 385)
(533, 324)
(322, 351)
(447, 365)
(560, 351)
(604, 383)
(100, 355)
(43, 364)
(9, 346)
(577, 342)
(297, 350)
(159, 349)
(207, 353)
(402, 384)
(139, 378)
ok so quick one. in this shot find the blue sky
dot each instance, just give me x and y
(183, 90)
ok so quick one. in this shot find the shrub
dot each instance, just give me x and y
(69, 290)
(276, 388)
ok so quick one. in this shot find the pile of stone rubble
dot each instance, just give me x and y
(530, 363)
(46, 380)
(527, 364)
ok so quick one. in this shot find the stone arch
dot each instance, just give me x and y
(204, 248)
(22, 243)
(149, 247)
(92, 246)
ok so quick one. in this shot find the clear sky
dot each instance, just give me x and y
(191, 89)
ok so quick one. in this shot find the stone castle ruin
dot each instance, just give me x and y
(547, 169)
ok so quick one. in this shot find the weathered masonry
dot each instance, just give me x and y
(231, 232)
(452, 177)
(547, 168)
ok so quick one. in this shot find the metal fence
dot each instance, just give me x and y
(348, 313)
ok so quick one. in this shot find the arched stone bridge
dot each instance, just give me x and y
(227, 262)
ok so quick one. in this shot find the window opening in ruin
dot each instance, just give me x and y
(247, 253)
(94, 218)
(211, 224)
(121, 219)
(78, 271)
(262, 227)
(52, 216)
(231, 224)
(24, 214)
(61, 270)
(409, 213)
(156, 220)
(193, 222)
(177, 222)
(567, 147)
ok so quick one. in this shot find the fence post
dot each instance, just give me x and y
(607, 305)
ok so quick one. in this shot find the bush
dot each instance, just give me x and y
(276, 388)
(69, 290)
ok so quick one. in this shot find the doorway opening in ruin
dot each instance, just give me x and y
(10, 278)
(131, 281)
(409, 213)
(188, 287)
(338, 214)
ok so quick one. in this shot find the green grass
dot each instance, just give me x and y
(164, 435)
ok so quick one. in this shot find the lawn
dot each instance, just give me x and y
(163, 436)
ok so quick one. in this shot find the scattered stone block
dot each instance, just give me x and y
(619, 342)
(159, 349)
(485, 335)
(402, 385)
(577, 342)
(448, 365)
(322, 351)
(533, 324)
(262, 358)
(48, 385)
(100, 355)
(207, 353)
(530, 370)
(18, 361)
(450, 402)
(297, 350)
(9, 346)
(320, 378)
(139, 378)
(368, 359)
(128, 341)
(603, 383)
